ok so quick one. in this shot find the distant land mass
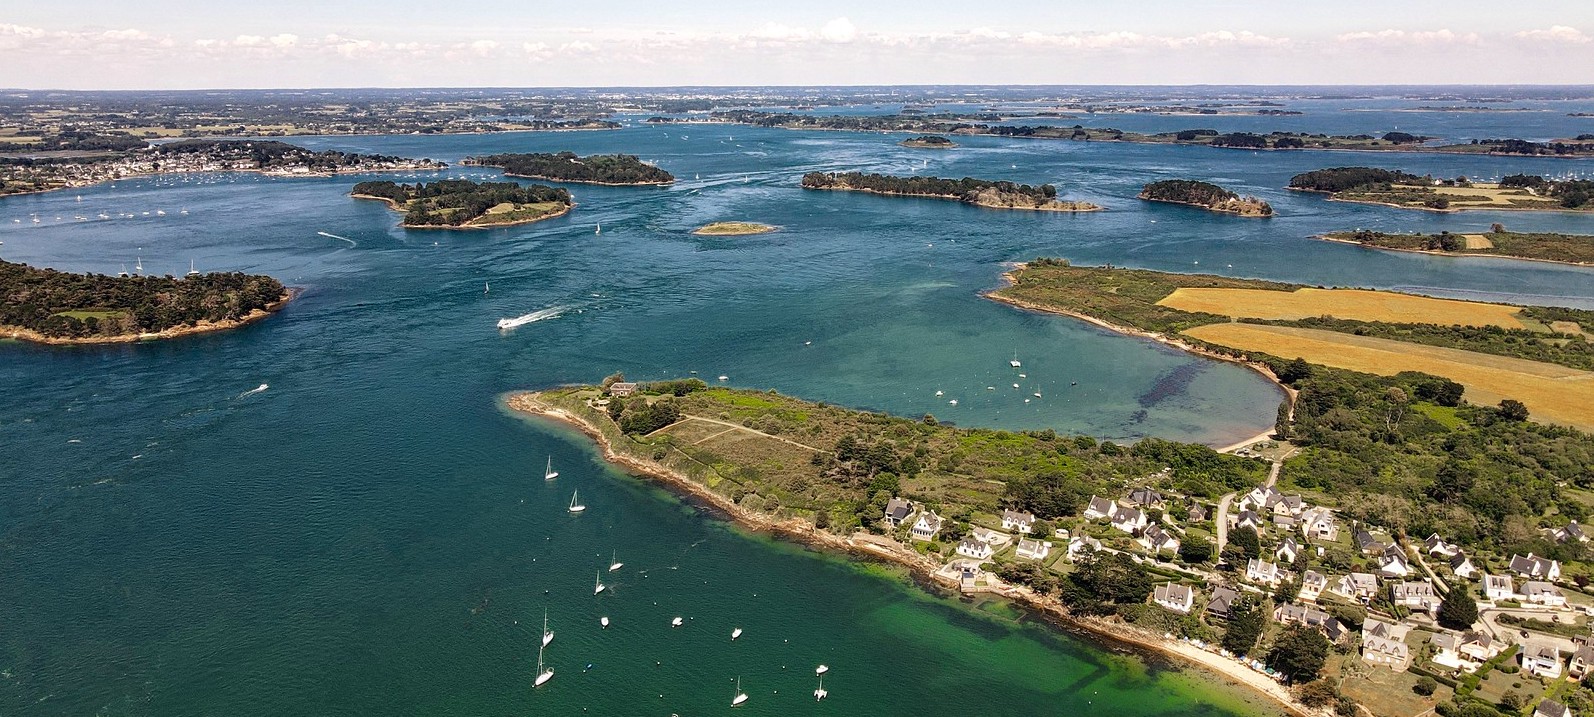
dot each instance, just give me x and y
(928, 141)
(1537, 246)
(1207, 196)
(463, 204)
(979, 192)
(28, 174)
(49, 306)
(1395, 188)
(613, 169)
(731, 229)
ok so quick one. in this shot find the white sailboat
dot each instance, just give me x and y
(575, 504)
(547, 635)
(676, 622)
(821, 693)
(1014, 363)
(191, 270)
(736, 633)
(543, 675)
(138, 267)
(822, 669)
(740, 695)
(549, 473)
(123, 272)
(613, 563)
(597, 584)
(599, 229)
(604, 621)
(486, 287)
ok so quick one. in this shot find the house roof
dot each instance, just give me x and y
(1550, 708)
(1014, 516)
(898, 508)
(1145, 496)
(974, 544)
(1223, 598)
(1535, 587)
(1031, 545)
(1173, 593)
(1101, 505)
(1312, 577)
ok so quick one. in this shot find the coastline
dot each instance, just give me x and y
(263, 172)
(395, 206)
(1214, 210)
(593, 182)
(879, 547)
(1332, 197)
(204, 327)
(1261, 368)
(954, 198)
(708, 231)
(1450, 254)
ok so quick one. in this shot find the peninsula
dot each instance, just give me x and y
(1205, 195)
(730, 229)
(609, 169)
(978, 192)
(54, 307)
(24, 175)
(928, 141)
(1497, 242)
(463, 204)
(1519, 192)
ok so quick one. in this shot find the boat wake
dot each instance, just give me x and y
(535, 316)
(259, 389)
(334, 236)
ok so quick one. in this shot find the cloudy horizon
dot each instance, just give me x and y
(184, 45)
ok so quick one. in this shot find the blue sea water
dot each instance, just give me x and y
(371, 534)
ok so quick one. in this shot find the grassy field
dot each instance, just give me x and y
(1543, 246)
(1552, 393)
(727, 229)
(1355, 304)
(101, 315)
(1478, 196)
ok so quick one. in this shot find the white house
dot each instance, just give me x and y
(1384, 644)
(1129, 520)
(1461, 566)
(1313, 584)
(1079, 544)
(1022, 522)
(1258, 570)
(1569, 533)
(1145, 497)
(1031, 549)
(1541, 660)
(1393, 563)
(1287, 551)
(1249, 519)
(1543, 593)
(997, 540)
(1436, 545)
(1550, 708)
(1417, 595)
(1100, 508)
(1582, 661)
(897, 510)
(1175, 597)
(926, 526)
(974, 548)
(1478, 647)
(1357, 586)
(1318, 524)
(1536, 568)
(1156, 540)
(1498, 587)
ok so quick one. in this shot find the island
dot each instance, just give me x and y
(1205, 195)
(24, 175)
(978, 192)
(928, 141)
(607, 169)
(53, 307)
(1519, 192)
(1497, 242)
(463, 204)
(731, 229)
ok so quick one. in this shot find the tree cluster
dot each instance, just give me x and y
(453, 202)
(1342, 179)
(44, 300)
(567, 167)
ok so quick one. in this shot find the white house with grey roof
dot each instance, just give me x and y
(1541, 659)
(1313, 584)
(1538, 592)
(925, 528)
(1530, 566)
(1020, 521)
(897, 511)
(1175, 597)
(975, 548)
(1032, 549)
(1100, 509)
(1498, 587)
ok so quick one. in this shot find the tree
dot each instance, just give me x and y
(1425, 686)
(1195, 549)
(1248, 540)
(1287, 591)
(1246, 623)
(1299, 653)
(1513, 410)
(1295, 371)
(1459, 610)
(1320, 693)
(1511, 702)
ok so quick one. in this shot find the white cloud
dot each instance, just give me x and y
(839, 30)
(1557, 33)
(1398, 37)
(484, 47)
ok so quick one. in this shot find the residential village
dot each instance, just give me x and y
(1377, 598)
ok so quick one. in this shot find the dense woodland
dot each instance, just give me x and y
(454, 202)
(62, 305)
(1404, 452)
(1573, 193)
(1344, 179)
(1204, 194)
(966, 189)
(567, 167)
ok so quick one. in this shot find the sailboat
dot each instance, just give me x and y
(821, 693)
(123, 272)
(740, 695)
(191, 270)
(598, 230)
(613, 563)
(486, 287)
(604, 621)
(736, 633)
(543, 675)
(547, 635)
(138, 267)
(549, 473)
(575, 505)
(822, 669)
(1014, 363)
(597, 584)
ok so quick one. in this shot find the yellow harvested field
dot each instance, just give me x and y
(1354, 304)
(1477, 241)
(1483, 195)
(1553, 394)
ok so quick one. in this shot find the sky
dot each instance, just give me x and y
(192, 44)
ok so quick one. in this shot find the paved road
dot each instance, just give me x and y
(1223, 520)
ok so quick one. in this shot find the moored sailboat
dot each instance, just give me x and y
(740, 695)
(549, 473)
(543, 675)
(575, 502)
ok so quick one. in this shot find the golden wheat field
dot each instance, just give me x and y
(1553, 394)
(1355, 304)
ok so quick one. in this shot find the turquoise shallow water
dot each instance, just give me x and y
(371, 535)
